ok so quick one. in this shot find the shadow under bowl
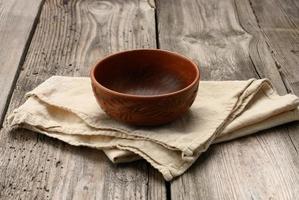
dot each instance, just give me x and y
(145, 86)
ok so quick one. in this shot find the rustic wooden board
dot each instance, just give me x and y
(281, 33)
(278, 20)
(224, 38)
(17, 20)
(70, 36)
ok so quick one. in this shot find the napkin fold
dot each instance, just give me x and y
(65, 108)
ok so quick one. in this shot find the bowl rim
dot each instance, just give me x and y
(194, 82)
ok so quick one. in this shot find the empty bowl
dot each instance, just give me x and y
(146, 86)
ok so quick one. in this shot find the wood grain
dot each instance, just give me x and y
(281, 33)
(70, 36)
(17, 20)
(225, 39)
(279, 24)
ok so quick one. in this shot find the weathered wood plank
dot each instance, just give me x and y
(70, 36)
(17, 22)
(281, 33)
(262, 166)
(259, 52)
(278, 20)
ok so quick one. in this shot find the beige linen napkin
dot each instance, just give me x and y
(65, 108)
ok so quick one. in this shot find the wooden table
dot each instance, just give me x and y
(229, 39)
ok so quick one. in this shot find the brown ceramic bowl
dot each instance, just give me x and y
(145, 86)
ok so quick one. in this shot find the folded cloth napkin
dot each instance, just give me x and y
(65, 108)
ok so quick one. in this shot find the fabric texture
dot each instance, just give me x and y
(65, 108)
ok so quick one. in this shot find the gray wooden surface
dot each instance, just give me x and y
(17, 24)
(226, 40)
(229, 39)
(70, 37)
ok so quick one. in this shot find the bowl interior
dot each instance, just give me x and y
(145, 72)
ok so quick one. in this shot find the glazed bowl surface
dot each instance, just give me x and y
(145, 87)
